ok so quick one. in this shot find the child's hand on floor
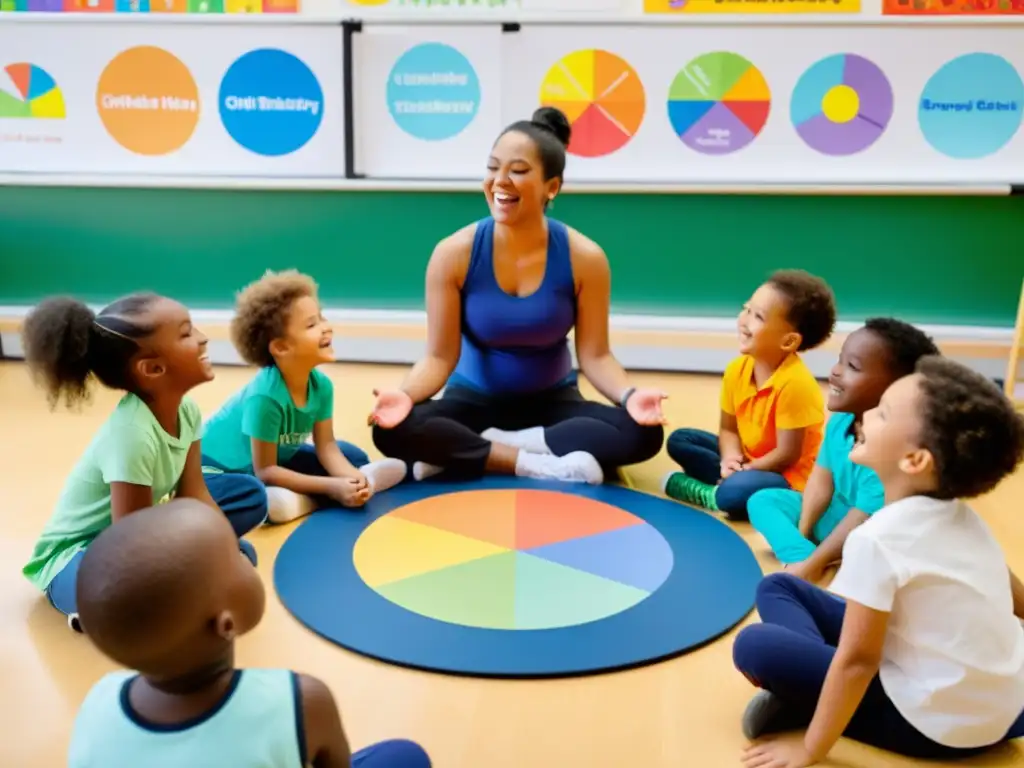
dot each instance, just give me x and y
(785, 751)
(350, 492)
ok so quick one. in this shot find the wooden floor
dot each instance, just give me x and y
(682, 713)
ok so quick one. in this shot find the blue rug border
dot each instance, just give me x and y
(319, 552)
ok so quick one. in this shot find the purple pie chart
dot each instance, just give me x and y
(842, 105)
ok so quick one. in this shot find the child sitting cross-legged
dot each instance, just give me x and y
(807, 531)
(772, 408)
(918, 647)
(166, 594)
(149, 448)
(264, 429)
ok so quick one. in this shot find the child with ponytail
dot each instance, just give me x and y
(148, 449)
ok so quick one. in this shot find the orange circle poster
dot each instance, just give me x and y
(148, 101)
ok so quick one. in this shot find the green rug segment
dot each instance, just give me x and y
(480, 593)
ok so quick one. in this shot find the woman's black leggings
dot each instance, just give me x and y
(446, 432)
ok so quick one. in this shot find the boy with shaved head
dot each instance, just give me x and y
(165, 592)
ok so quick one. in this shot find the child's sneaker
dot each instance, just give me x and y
(767, 713)
(681, 487)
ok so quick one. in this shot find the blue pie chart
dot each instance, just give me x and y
(972, 106)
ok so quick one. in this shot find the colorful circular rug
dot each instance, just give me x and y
(514, 578)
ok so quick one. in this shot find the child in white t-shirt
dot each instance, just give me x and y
(919, 650)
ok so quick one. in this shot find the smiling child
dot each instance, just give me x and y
(773, 410)
(808, 530)
(919, 648)
(265, 428)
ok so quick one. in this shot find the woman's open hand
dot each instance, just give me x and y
(391, 408)
(644, 405)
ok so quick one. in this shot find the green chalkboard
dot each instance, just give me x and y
(932, 260)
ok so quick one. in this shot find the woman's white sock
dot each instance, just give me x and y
(531, 439)
(421, 470)
(575, 467)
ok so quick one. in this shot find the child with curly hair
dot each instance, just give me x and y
(919, 649)
(149, 447)
(807, 530)
(162, 597)
(773, 410)
(265, 428)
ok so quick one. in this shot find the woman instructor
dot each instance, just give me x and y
(502, 295)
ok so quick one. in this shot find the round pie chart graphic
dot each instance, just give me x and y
(28, 91)
(842, 105)
(513, 559)
(718, 103)
(602, 96)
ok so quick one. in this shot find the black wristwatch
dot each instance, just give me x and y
(625, 397)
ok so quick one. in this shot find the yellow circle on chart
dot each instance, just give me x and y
(840, 104)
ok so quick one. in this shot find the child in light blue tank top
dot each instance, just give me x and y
(807, 531)
(165, 592)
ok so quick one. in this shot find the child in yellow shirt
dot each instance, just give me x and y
(773, 409)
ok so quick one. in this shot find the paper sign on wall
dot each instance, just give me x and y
(752, 6)
(428, 100)
(952, 7)
(155, 99)
(762, 105)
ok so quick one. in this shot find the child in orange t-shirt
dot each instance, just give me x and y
(773, 409)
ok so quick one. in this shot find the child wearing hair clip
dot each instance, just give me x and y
(146, 346)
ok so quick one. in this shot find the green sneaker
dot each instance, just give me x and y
(681, 487)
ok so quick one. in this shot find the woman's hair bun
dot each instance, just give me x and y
(554, 120)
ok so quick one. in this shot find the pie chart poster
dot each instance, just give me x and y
(168, 99)
(427, 101)
(777, 104)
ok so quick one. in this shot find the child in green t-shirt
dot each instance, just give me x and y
(148, 448)
(265, 428)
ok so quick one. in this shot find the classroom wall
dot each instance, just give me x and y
(935, 260)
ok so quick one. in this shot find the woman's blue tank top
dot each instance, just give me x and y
(513, 344)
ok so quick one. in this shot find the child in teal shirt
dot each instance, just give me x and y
(264, 430)
(807, 531)
(148, 448)
(181, 702)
